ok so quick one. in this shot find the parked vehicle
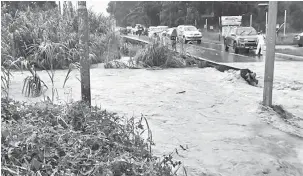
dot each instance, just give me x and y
(241, 38)
(123, 31)
(129, 29)
(157, 30)
(135, 29)
(298, 39)
(189, 33)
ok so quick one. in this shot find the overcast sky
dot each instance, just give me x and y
(97, 6)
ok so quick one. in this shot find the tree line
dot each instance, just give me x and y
(174, 13)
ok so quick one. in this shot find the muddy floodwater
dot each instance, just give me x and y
(217, 115)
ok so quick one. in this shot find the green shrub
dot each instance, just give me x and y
(155, 55)
(46, 139)
(129, 49)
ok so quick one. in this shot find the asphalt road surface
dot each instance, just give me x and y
(216, 52)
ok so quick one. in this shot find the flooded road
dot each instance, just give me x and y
(218, 116)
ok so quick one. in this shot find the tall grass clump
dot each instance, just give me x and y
(155, 55)
(128, 49)
(33, 86)
(26, 33)
(74, 139)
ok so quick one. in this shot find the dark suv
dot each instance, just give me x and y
(241, 38)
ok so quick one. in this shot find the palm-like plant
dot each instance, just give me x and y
(47, 56)
(33, 86)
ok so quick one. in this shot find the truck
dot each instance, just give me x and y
(228, 23)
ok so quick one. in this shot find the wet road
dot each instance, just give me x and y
(216, 52)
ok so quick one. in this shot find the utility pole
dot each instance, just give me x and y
(284, 22)
(170, 7)
(250, 20)
(206, 24)
(266, 23)
(219, 29)
(59, 7)
(270, 54)
(84, 58)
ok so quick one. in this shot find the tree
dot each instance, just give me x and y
(13, 6)
(84, 57)
(174, 13)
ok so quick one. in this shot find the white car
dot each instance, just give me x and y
(189, 33)
(129, 29)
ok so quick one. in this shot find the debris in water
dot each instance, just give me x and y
(181, 92)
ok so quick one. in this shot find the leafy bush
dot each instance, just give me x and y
(48, 139)
(129, 49)
(155, 55)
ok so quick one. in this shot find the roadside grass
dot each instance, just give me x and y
(296, 52)
(155, 55)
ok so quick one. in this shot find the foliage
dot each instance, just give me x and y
(29, 34)
(13, 6)
(129, 49)
(5, 81)
(6, 67)
(48, 139)
(174, 13)
(155, 55)
(113, 45)
(33, 86)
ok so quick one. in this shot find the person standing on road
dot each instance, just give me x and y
(156, 38)
(163, 38)
(260, 43)
(140, 30)
(173, 39)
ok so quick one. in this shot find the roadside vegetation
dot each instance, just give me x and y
(73, 139)
(155, 55)
(43, 36)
